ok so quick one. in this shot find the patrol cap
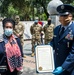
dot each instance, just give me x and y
(65, 9)
(49, 18)
(17, 17)
(36, 18)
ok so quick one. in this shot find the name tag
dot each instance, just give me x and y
(54, 36)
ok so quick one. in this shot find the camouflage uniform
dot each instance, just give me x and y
(48, 30)
(19, 29)
(35, 30)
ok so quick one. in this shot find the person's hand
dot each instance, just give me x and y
(20, 72)
(42, 34)
(58, 70)
(17, 35)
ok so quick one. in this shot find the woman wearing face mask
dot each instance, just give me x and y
(10, 50)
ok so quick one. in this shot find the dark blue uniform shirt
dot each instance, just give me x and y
(64, 48)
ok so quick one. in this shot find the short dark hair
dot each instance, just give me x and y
(8, 20)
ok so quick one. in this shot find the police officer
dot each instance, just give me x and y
(63, 41)
(48, 30)
(19, 29)
(35, 30)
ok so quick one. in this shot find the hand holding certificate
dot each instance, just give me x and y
(44, 58)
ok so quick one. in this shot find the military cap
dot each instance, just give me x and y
(65, 9)
(8, 20)
(36, 18)
(17, 17)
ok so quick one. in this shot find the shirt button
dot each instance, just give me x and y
(58, 43)
(57, 48)
(5, 60)
(57, 53)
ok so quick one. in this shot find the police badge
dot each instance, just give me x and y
(62, 7)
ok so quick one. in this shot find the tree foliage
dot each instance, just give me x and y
(26, 8)
(11, 10)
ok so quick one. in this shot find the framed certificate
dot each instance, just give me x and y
(44, 58)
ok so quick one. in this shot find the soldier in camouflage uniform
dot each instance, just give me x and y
(19, 29)
(35, 30)
(48, 31)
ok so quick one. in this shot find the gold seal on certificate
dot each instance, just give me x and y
(40, 68)
(24, 56)
(44, 58)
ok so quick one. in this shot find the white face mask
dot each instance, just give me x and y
(8, 31)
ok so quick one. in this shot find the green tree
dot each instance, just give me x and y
(11, 11)
(26, 8)
(44, 3)
(67, 1)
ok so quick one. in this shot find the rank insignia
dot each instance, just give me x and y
(69, 36)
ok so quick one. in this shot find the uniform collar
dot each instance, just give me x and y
(67, 25)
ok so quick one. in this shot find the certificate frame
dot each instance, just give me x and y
(44, 58)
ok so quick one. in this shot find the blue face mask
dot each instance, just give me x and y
(8, 32)
(36, 21)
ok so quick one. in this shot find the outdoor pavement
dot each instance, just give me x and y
(30, 65)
